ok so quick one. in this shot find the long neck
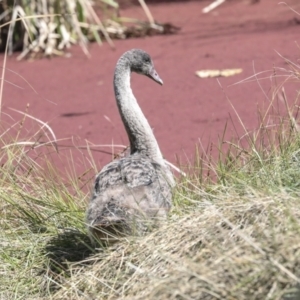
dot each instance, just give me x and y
(139, 132)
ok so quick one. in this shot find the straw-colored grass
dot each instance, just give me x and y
(47, 28)
(231, 235)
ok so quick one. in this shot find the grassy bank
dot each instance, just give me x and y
(233, 232)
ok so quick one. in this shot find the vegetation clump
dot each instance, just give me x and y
(46, 28)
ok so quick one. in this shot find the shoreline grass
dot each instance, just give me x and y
(48, 28)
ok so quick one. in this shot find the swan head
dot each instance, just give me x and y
(141, 63)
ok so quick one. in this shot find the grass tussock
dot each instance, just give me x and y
(233, 232)
(49, 27)
(46, 28)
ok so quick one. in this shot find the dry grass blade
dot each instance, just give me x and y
(175, 168)
(44, 124)
(147, 11)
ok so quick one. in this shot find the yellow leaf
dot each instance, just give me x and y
(218, 73)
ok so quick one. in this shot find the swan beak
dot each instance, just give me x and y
(153, 75)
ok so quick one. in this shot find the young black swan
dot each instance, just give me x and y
(133, 192)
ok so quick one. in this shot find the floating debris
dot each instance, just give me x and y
(218, 73)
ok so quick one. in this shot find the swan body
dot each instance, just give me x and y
(132, 193)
